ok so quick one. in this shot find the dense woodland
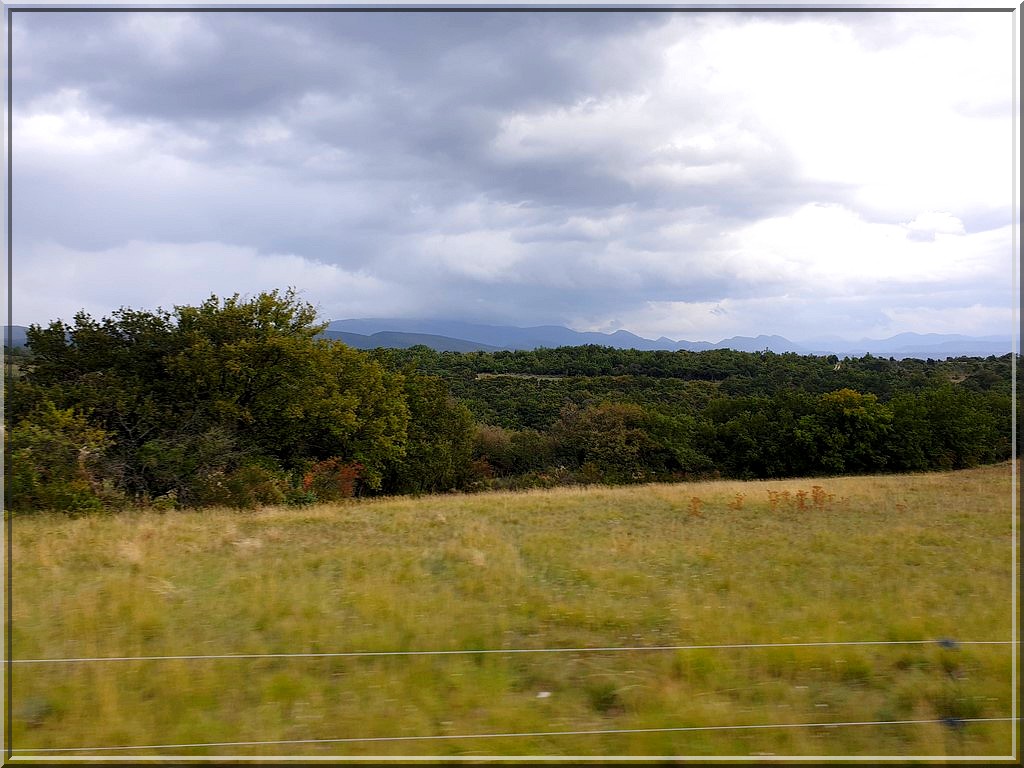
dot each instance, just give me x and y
(238, 402)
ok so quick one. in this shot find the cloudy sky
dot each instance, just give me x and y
(691, 175)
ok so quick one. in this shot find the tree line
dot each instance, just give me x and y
(242, 402)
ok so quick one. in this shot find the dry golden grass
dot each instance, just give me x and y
(872, 558)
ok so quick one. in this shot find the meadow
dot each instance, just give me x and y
(919, 557)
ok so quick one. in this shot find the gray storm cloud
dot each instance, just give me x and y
(520, 168)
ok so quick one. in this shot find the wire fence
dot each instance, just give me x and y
(948, 643)
(952, 722)
(942, 642)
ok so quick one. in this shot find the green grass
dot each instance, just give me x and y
(884, 558)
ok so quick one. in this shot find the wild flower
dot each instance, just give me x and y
(695, 506)
(818, 495)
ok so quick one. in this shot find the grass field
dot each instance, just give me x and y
(887, 558)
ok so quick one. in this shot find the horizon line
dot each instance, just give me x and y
(822, 339)
(994, 337)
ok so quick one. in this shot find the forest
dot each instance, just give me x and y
(241, 403)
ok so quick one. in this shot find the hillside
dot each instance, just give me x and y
(397, 340)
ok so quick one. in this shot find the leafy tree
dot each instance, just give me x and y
(225, 401)
(847, 433)
(185, 465)
(608, 439)
(249, 376)
(962, 431)
(756, 436)
(910, 443)
(677, 451)
(440, 440)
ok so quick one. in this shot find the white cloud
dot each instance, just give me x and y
(269, 131)
(591, 127)
(830, 250)
(64, 123)
(66, 126)
(918, 125)
(889, 122)
(928, 224)
(52, 281)
(595, 229)
(975, 319)
(484, 255)
(805, 317)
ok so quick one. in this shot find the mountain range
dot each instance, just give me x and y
(455, 335)
(458, 336)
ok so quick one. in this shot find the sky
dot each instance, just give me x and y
(690, 175)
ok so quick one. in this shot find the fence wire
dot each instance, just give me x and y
(944, 643)
(951, 722)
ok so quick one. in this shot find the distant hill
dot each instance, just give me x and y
(924, 345)
(497, 336)
(18, 335)
(934, 345)
(512, 337)
(398, 340)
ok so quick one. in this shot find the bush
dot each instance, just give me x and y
(246, 487)
(331, 479)
(512, 452)
(531, 450)
(493, 445)
(552, 477)
(188, 466)
(607, 442)
(55, 460)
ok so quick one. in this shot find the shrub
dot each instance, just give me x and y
(188, 466)
(331, 479)
(55, 460)
(493, 445)
(607, 442)
(246, 487)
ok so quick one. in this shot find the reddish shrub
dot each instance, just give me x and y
(332, 479)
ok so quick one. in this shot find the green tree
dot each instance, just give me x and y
(248, 374)
(911, 441)
(677, 446)
(608, 441)
(964, 432)
(848, 432)
(439, 443)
